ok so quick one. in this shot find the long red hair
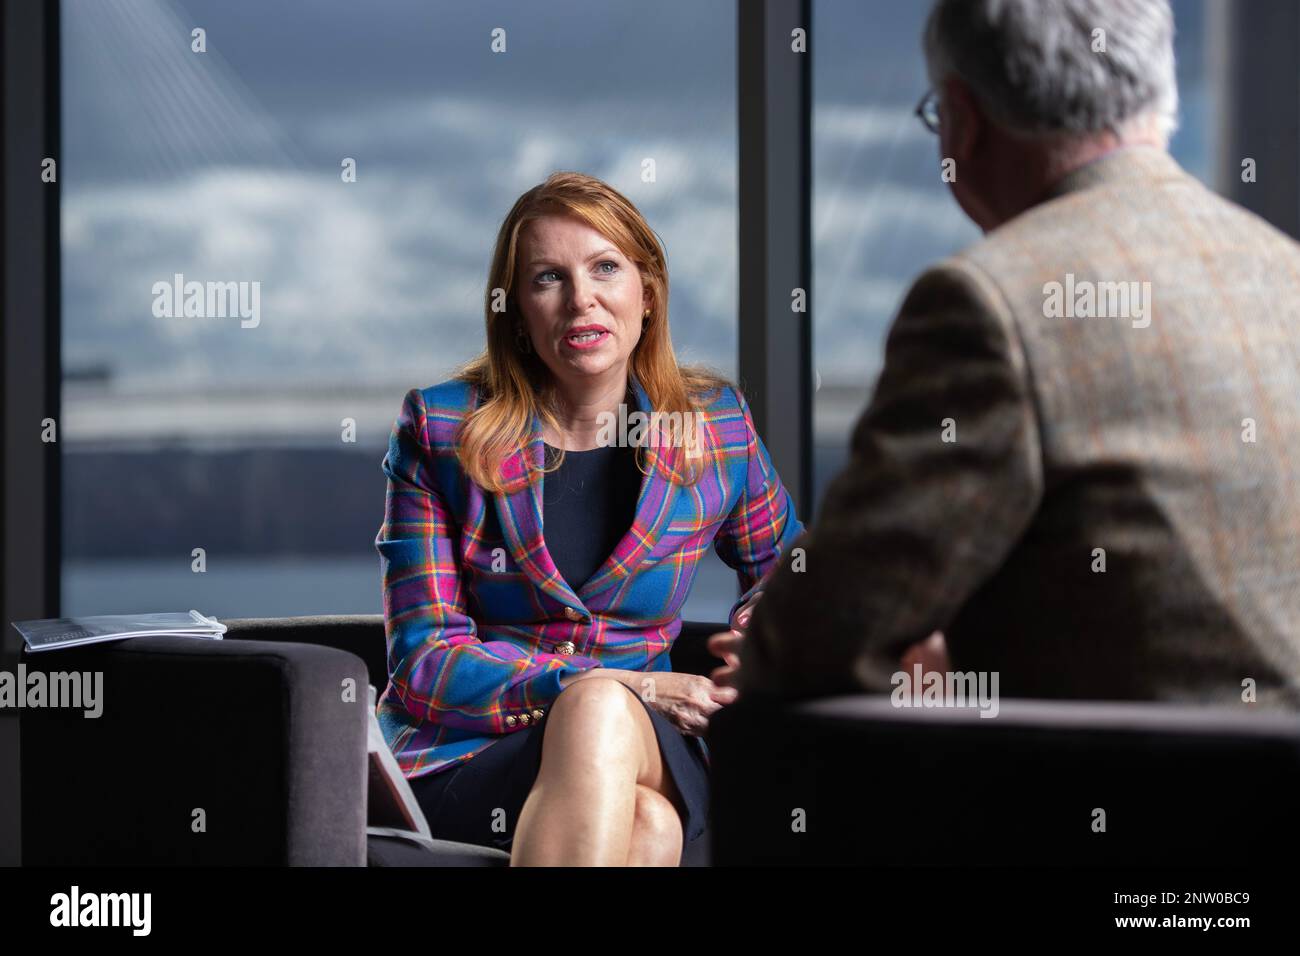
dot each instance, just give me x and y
(516, 385)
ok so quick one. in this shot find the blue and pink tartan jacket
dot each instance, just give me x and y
(480, 624)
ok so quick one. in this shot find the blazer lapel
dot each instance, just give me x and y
(519, 509)
(654, 509)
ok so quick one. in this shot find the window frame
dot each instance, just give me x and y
(774, 146)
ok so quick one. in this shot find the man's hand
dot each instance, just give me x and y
(931, 654)
(726, 644)
(740, 619)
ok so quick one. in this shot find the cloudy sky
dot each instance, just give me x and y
(224, 166)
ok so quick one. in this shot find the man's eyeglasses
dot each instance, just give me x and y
(928, 110)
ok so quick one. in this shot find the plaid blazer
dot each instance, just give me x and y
(481, 626)
(1091, 504)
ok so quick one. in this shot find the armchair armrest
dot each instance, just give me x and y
(208, 753)
(855, 780)
(363, 635)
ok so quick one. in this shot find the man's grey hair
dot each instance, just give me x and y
(1032, 66)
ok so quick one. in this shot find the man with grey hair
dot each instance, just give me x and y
(1081, 463)
(1043, 87)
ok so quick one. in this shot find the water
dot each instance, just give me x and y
(285, 587)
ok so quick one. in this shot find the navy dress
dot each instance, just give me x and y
(588, 504)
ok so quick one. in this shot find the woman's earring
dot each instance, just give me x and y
(522, 341)
(644, 317)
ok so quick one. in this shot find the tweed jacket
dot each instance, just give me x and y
(481, 626)
(1081, 462)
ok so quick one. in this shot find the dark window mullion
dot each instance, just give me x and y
(774, 100)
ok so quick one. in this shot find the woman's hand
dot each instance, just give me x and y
(687, 700)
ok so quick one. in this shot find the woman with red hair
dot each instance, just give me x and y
(536, 559)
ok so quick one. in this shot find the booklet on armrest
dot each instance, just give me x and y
(52, 633)
(391, 808)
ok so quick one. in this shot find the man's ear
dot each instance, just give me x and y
(962, 122)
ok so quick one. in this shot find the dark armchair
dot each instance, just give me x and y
(853, 780)
(242, 751)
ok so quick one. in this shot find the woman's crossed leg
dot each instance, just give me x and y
(603, 796)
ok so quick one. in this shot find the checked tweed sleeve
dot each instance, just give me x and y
(438, 668)
(915, 523)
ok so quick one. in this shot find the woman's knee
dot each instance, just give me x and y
(656, 830)
(599, 715)
(602, 701)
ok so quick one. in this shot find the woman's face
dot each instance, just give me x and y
(581, 299)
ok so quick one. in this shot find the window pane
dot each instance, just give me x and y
(880, 212)
(228, 165)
